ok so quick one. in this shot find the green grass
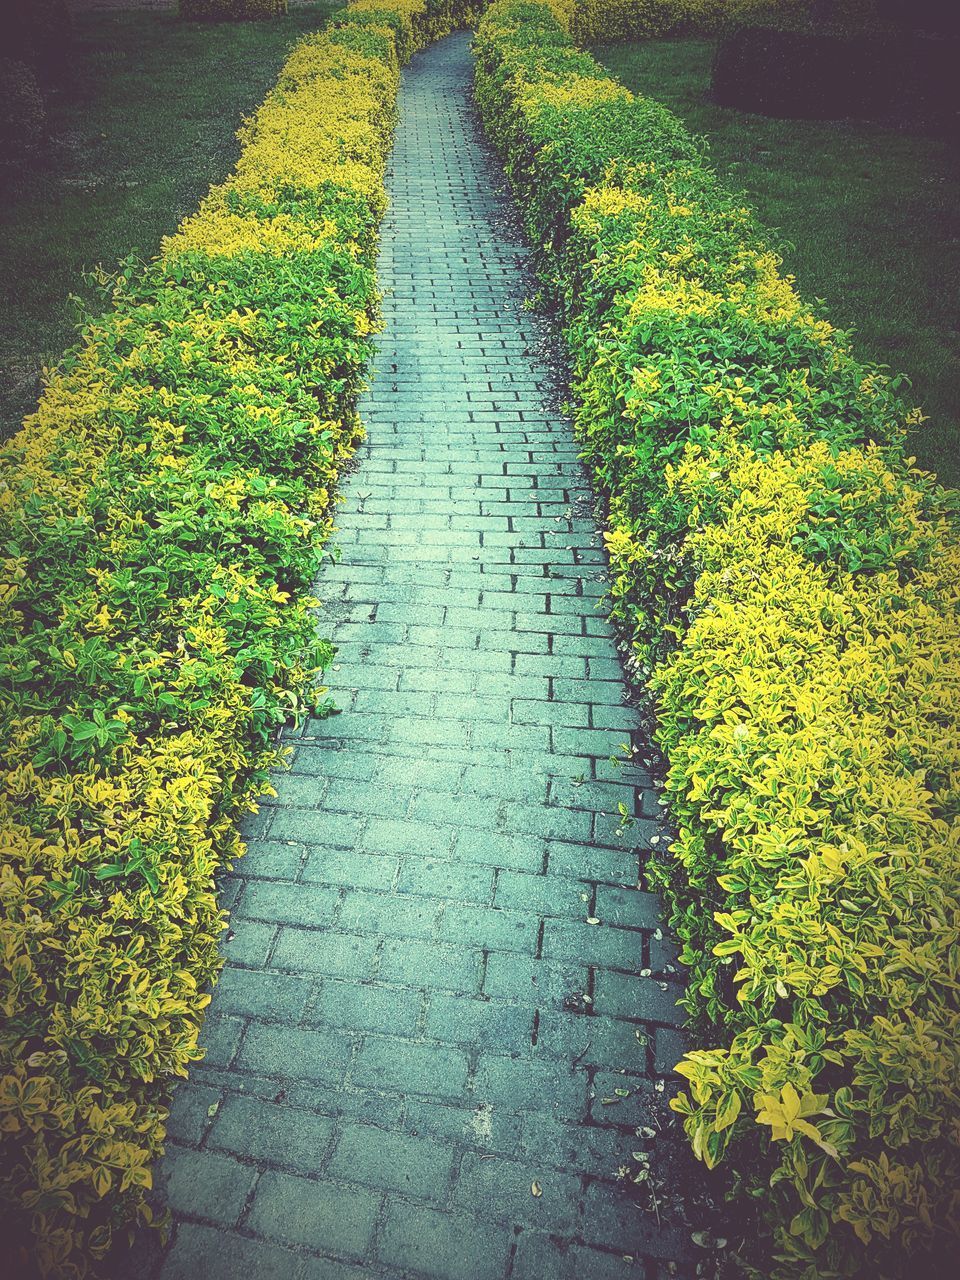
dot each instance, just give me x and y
(867, 218)
(148, 125)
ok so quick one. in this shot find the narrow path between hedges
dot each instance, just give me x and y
(447, 1008)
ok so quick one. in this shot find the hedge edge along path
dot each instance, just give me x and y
(788, 586)
(162, 514)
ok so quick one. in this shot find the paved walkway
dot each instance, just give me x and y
(440, 964)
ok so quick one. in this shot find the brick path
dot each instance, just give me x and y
(422, 1017)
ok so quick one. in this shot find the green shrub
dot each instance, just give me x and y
(789, 587)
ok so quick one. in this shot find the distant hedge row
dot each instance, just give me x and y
(162, 515)
(790, 587)
(641, 19)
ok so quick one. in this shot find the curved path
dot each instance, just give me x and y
(440, 964)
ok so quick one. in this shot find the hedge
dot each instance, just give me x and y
(787, 582)
(162, 516)
(643, 19)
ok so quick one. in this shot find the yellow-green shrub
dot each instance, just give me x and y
(789, 584)
(162, 515)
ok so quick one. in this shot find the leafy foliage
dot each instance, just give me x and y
(789, 585)
(644, 19)
(162, 517)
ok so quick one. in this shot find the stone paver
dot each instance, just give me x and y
(446, 1000)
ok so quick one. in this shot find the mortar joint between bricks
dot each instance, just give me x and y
(512, 1254)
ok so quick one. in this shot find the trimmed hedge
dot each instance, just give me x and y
(645, 19)
(789, 587)
(162, 517)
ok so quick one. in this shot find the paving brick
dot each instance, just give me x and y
(219, 1038)
(366, 1007)
(618, 1265)
(543, 894)
(318, 1215)
(503, 1190)
(403, 1066)
(189, 1117)
(200, 1184)
(593, 1041)
(623, 1100)
(669, 1047)
(625, 995)
(271, 1134)
(314, 826)
(483, 1126)
(389, 914)
(279, 902)
(587, 862)
(439, 966)
(248, 942)
(531, 1084)
(527, 711)
(549, 823)
(441, 1244)
(489, 929)
(459, 810)
(539, 982)
(664, 954)
(614, 1221)
(491, 1023)
(294, 1052)
(417, 1167)
(506, 784)
(322, 951)
(359, 797)
(223, 1255)
(592, 944)
(523, 853)
(388, 835)
(442, 878)
(586, 1148)
(630, 907)
(253, 993)
(602, 797)
(351, 869)
(295, 790)
(271, 859)
(538, 1256)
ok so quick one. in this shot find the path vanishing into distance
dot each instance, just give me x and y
(448, 1011)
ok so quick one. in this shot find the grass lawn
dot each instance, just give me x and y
(139, 138)
(868, 219)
